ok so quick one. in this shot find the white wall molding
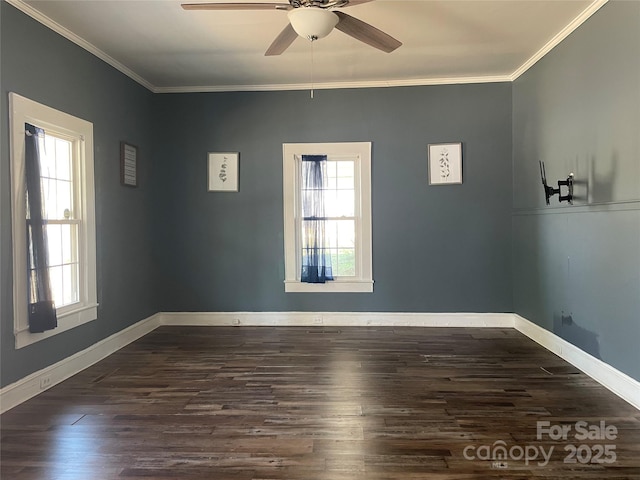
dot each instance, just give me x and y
(622, 385)
(559, 37)
(78, 40)
(337, 319)
(617, 382)
(417, 82)
(31, 385)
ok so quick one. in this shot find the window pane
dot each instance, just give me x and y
(340, 233)
(63, 159)
(64, 200)
(50, 146)
(345, 169)
(345, 176)
(69, 241)
(331, 175)
(332, 207)
(346, 262)
(345, 183)
(341, 241)
(47, 156)
(331, 184)
(343, 262)
(345, 202)
(346, 233)
(49, 198)
(64, 284)
(334, 262)
(340, 236)
(69, 284)
(54, 239)
(55, 276)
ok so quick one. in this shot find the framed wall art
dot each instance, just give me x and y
(445, 163)
(128, 164)
(223, 172)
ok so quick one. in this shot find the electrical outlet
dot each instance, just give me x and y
(236, 321)
(45, 382)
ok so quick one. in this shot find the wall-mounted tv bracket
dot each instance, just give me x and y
(550, 191)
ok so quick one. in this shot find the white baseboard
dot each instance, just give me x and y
(31, 385)
(337, 319)
(622, 385)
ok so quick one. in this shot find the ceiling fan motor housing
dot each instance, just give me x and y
(312, 22)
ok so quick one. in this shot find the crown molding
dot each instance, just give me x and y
(81, 42)
(335, 85)
(559, 37)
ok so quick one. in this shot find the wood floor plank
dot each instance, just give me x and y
(295, 403)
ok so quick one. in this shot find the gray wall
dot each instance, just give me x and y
(170, 245)
(39, 64)
(435, 249)
(577, 268)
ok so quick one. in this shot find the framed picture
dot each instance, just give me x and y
(445, 163)
(223, 172)
(128, 164)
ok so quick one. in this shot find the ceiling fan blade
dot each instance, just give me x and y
(236, 6)
(282, 41)
(353, 3)
(366, 33)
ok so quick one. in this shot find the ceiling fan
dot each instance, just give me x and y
(312, 19)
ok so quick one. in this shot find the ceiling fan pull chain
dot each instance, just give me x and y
(312, 65)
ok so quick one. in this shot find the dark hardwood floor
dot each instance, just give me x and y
(323, 403)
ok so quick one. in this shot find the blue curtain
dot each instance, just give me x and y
(316, 257)
(42, 312)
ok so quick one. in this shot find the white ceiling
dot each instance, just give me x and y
(166, 48)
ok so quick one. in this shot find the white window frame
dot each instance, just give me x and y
(361, 151)
(22, 110)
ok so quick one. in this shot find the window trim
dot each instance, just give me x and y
(362, 151)
(23, 110)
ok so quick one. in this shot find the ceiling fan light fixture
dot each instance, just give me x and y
(312, 22)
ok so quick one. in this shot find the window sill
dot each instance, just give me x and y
(66, 321)
(355, 286)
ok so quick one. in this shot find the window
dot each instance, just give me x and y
(347, 220)
(66, 173)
